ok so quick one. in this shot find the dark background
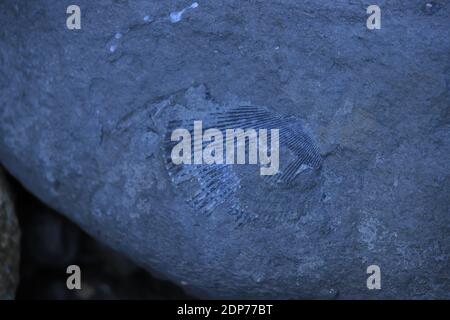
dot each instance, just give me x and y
(50, 243)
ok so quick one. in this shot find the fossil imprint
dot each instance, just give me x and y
(218, 184)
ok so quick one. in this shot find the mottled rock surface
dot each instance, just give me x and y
(9, 242)
(83, 117)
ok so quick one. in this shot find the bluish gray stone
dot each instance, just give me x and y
(84, 115)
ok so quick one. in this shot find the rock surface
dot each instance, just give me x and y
(9, 243)
(84, 114)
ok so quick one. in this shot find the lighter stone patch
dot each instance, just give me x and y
(368, 230)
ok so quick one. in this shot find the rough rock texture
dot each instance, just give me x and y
(9, 243)
(84, 114)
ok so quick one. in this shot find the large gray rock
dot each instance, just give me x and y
(84, 116)
(9, 243)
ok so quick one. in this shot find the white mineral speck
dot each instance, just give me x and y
(113, 48)
(177, 15)
(118, 35)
